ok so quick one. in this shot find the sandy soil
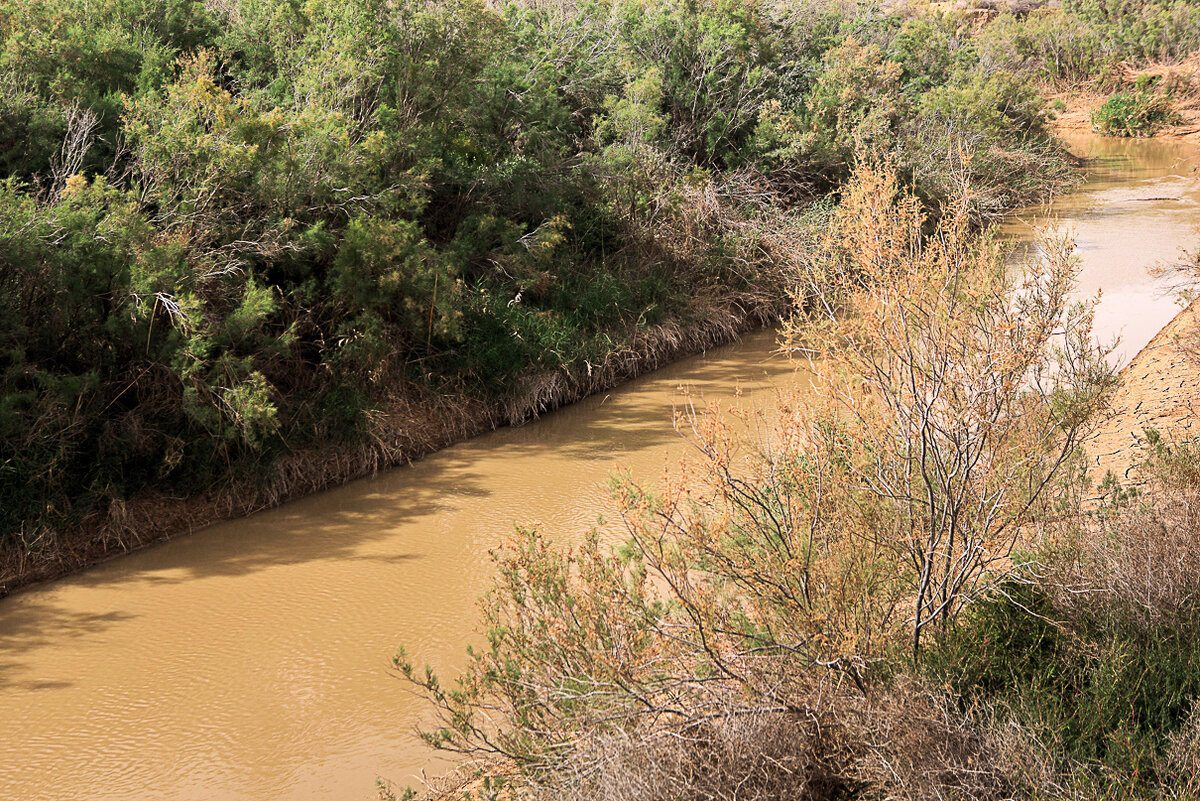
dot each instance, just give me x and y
(1079, 105)
(1159, 389)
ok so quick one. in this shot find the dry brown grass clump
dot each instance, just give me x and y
(909, 741)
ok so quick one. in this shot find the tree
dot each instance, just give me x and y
(766, 580)
(960, 394)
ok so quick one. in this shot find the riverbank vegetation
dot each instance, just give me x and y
(902, 587)
(905, 586)
(233, 233)
(251, 248)
(1138, 113)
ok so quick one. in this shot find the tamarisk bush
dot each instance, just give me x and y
(959, 395)
(774, 583)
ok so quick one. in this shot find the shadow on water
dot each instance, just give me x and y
(336, 525)
(39, 623)
(639, 418)
(308, 600)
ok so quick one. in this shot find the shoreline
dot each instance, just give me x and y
(416, 424)
(1159, 389)
(1080, 104)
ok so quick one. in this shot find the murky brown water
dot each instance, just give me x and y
(1138, 208)
(251, 660)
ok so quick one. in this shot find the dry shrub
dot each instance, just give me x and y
(737, 646)
(1151, 562)
(1143, 556)
(959, 399)
(919, 744)
(1183, 754)
(743, 754)
(909, 741)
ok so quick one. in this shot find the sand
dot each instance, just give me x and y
(1159, 389)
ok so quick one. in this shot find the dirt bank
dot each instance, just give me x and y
(1078, 106)
(1159, 389)
(416, 422)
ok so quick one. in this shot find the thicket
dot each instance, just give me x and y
(235, 230)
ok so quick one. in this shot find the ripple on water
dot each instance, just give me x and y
(250, 660)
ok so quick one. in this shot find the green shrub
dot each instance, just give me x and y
(1099, 657)
(234, 228)
(1137, 113)
(1103, 692)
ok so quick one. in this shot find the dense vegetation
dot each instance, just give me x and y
(233, 231)
(1138, 113)
(907, 588)
(239, 230)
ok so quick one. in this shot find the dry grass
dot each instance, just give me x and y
(744, 754)
(1183, 756)
(910, 742)
(1143, 557)
(650, 349)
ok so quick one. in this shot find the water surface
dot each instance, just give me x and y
(251, 660)
(1136, 210)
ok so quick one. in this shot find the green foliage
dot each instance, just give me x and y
(236, 229)
(385, 269)
(855, 103)
(714, 61)
(992, 126)
(1137, 113)
(1103, 689)
(1142, 30)
(1088, 39)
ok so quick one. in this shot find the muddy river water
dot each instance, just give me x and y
(251, 659)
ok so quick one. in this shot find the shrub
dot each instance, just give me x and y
(1136, 113)
(1100, 659)
(765, 589)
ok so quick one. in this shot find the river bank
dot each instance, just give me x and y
(1159, 390)
(250, 661)
(414, 424)
(1077, 106)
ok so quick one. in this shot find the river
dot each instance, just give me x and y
(251, 660)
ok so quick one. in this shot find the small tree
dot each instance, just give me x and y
(962, 389)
